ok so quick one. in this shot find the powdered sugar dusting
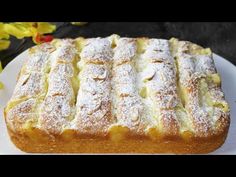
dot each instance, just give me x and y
(163, 79)
(169, 122)
(128, 101)
(55, 111)
(186, 68)
(158, 50)
(205, 64)
(22, 112)
(29, 85)
(163, 74)
(66, 51)
(160, 79)
(58, 105)
(37, 62)
(129, 112)
(114, 92)
(157, 56)
(216, 94)
(93, 101)
(97, 50)
(158, 45)
(60, 80)
(127, 105)
(124, 80)
(200, 118)
(39, 58)
(193, 68)
(125, 50)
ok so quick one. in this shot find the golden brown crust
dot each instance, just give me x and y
(37, 141)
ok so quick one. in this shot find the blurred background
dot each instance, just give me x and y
(220, 37)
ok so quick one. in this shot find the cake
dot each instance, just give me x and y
(118, 95)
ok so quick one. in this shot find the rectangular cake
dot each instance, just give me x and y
(118, 95)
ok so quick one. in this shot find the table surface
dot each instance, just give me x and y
(219, 36)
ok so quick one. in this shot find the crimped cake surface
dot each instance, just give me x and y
(117, 94)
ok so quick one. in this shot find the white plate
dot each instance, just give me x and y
(225, 68)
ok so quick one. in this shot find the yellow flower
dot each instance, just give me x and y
(44, 27)
(41, 28)
(23, 29)
(78, 23)
(3, 34)
(0, 66)
(4, 44)
(18, 29)
(28, 29)
(1, 84)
